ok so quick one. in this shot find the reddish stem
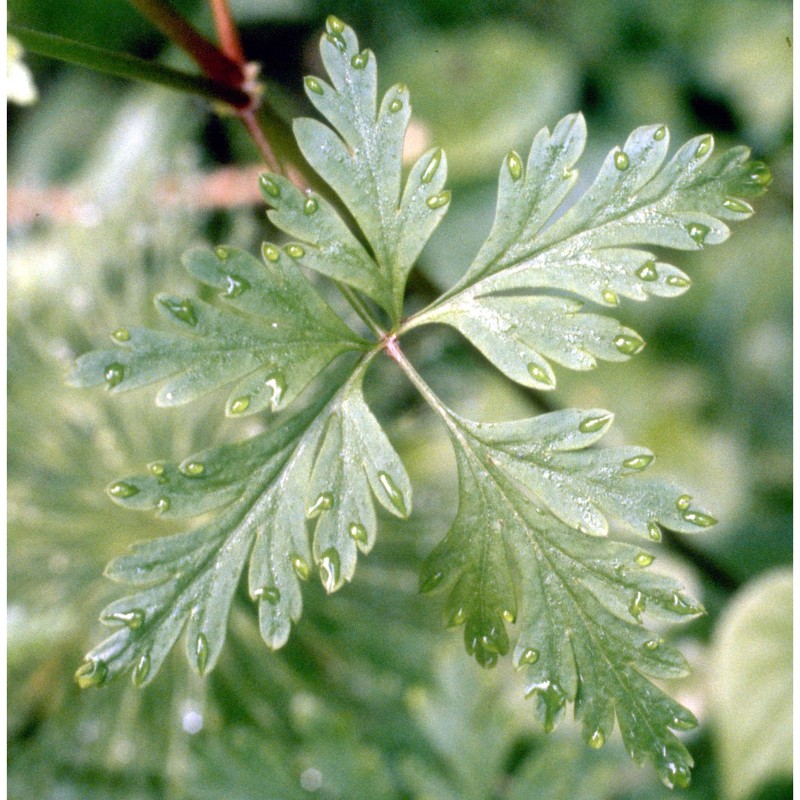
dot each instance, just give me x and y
(227, 32)
(214, 63)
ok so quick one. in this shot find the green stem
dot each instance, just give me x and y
(208, 56)
(394, 352)
(360, 308)
(125, 66)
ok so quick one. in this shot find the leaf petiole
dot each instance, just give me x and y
(126, 66)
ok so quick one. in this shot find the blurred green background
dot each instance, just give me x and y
(372, 697)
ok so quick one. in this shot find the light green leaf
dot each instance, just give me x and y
(324, 464)
(273, 335)
(361, 159)
(509, 303)
(516, 553)
(752, 686)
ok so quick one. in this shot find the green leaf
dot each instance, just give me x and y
(324, 464)
(510, 303)
(516, 553)
(752, 687)
(273, 335)
(361, 159)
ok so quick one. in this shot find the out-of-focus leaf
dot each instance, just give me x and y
(751, 687)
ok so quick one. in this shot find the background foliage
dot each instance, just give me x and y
(371, 697)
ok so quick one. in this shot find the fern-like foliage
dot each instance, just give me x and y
(528, 553)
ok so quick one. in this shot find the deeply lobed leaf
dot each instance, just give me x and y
(273, 335)
(361, 159)
(510, 302)
(324, 464)
(517, 552)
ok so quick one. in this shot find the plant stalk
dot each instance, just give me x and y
(227, 32)
(214, 63)
(124, 66)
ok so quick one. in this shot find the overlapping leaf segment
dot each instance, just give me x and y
(527, 547)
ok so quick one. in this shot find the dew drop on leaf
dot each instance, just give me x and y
(395, 106)
(141, 671)
(637, 606)
(182, 310)
(359, 60)
(644, 559)
(660, 133)
(240, 405)
(272, 594)
(737, 206)
(334, 24)
(313, 85)
(91, 673)
(323, 503)
(122, 490)
(163, 505)
(222, 253)
(192, 469)
(235, 285)
(697, 231)
(681, 605)
(648, 271)
(654, 532)
(621, 160)
(676, 776)
(539, 375)
(528, 656)
(270, 252)
(156, 468)
(201, 651)
(678, 281)
(133, 619)
(277, 385)
(699, 518)
(683, 501)
(514, 165)
(294, 250)
(704, 146)
(458, 617)
(393, 493)
(610, 297)
(651, 644)
(432, 167)
(638, 462)
(509, 616)
(114, 374)
(357, 532)
(595, 424)
(438, 200)
(310, 206)
(431, 582)
(553, 699)
(269, 186)
(301, 568)
(121, 335)
(329, 569)
(597, 740)
(629, 344)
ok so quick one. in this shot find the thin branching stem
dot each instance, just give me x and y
(227, 32)
(124, 66)
(214, 63)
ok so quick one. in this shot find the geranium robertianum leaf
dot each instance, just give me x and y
(519, 553)
(272, 336)
(361, 159)
(320, 469)
(520, 303)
